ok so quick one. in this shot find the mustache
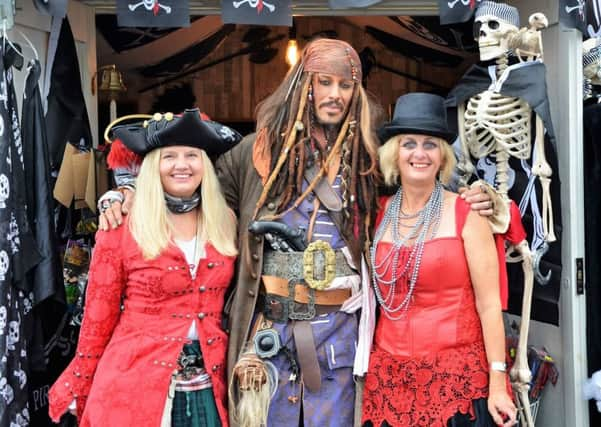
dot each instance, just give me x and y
(332, 104)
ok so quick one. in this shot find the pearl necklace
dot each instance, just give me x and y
(425, 228)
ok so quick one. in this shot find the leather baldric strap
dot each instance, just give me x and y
(324, 191)
(307, 356)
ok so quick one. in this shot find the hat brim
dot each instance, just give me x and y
(389, 130)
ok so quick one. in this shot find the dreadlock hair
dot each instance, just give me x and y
(285, 117)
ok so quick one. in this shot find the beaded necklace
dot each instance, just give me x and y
(425, 228)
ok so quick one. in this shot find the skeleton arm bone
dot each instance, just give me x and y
(542, 169)
(465, 167)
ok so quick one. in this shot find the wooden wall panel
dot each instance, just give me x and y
(231, 90)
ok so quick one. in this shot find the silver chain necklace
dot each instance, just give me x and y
(425, 228)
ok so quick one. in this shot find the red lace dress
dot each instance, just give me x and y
(431, 363)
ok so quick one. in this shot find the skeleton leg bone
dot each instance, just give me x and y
(520, 372)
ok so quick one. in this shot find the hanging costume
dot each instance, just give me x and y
(18, 254)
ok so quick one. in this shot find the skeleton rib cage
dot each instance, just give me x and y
(495, 122)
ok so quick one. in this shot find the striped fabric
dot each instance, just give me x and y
(502, 11)
(593, 55)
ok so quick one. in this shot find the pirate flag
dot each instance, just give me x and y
(153, 13)
(257, 12)
(573, 13)
(456, 11)
(593, 18)
(56, 8)
(348, 4)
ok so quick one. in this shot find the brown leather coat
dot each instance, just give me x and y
(242, 187)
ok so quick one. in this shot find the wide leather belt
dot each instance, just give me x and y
(300, 292)
(318, 265)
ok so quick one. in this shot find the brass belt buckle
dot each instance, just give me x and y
(329, 272)
(300, 315)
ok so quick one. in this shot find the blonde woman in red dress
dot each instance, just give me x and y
(151, 350)
(438, 356)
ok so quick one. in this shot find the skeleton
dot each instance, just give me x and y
(591, 67)
(255, 4)
(492, 123)
(149, 5)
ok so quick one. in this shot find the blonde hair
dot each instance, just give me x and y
(149, 221)
(388, 155)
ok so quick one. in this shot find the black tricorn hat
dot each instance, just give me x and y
(188, 129)
(418, 113)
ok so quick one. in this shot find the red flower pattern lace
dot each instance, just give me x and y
(424, 391)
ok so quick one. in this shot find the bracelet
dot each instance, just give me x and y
(498, 366)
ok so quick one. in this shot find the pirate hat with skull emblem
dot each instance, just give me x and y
(131, 142)
(493, 23)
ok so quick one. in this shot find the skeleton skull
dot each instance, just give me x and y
(592, 60)
(493, 36)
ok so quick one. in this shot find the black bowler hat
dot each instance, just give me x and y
(418, 113)
(188, 129)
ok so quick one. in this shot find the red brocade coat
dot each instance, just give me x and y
(125, 356)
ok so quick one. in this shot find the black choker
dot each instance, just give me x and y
(179, 205)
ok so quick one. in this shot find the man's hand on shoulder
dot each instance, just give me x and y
(113, 205)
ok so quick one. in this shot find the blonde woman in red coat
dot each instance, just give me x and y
(151, 350)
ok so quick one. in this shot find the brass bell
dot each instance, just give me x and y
(111, 80)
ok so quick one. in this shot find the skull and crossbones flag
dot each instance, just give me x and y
(153, 13)
(573, 13)
(257, 12)
(456, 11)
(593, 18)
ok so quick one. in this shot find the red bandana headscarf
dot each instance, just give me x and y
(332, 57)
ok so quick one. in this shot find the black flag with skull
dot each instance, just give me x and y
(257, 12)
(572, 13)
(153, 13)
